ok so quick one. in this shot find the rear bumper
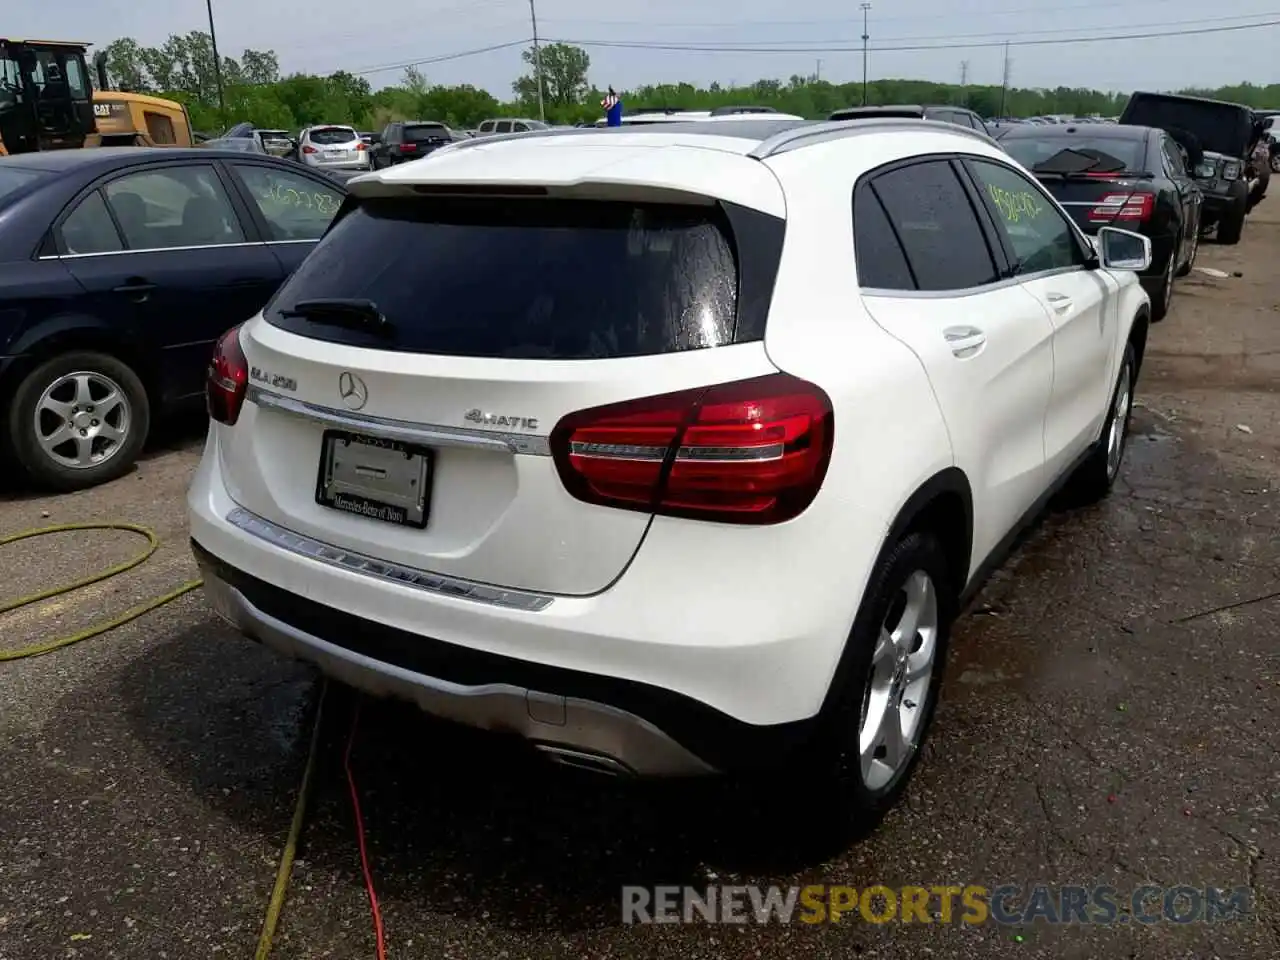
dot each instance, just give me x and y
(492, 693)
(339, 164)
(651, 676)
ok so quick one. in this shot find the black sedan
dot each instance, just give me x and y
(1138, 178)
(119, 267)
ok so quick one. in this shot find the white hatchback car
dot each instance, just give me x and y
(333, 148)
(674, 450)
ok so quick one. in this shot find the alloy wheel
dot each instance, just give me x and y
(82, 420)
(898, 683)
(1119, 424)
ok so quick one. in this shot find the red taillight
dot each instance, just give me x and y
(1123, 206)
(752, 451)
(307, 148)
(408, 147)
(228, 379)
(361, 146)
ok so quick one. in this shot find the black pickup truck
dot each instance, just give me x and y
(1226, 133)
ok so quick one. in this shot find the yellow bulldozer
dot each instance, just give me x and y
(48, 102)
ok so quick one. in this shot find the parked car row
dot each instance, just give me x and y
(1172, 169)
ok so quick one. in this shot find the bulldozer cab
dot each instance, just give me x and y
(46, 97)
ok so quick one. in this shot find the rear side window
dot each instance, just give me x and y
(526, 279)
(937, 226)
(881, 263)
(89, 228)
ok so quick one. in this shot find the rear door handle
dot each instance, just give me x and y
(135, 288)
(1060, 302)
(965, 342)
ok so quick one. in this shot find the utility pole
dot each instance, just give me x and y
(537, 63)
(817, 77)
(1004, 82)
(964, 83)
(217, 66)
(865, 37)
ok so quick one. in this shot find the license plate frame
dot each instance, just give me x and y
(355, 488)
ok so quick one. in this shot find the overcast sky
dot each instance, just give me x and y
(320, 36)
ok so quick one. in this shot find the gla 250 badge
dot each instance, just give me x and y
(500, 420)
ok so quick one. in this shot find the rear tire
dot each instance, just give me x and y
(1191, 260)
(862, 762)
(1231, 225)
(107, 417)
(1094, 478)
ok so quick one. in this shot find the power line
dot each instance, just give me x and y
(443, 58)
(997, 37)
(688, 48)
(1053, 8)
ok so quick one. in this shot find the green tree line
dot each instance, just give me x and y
(182, 68)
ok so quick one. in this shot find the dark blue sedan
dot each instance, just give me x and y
(119, 268)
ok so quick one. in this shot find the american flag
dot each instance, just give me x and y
(611, 101)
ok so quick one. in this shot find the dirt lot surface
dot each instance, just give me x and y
(1111, 716)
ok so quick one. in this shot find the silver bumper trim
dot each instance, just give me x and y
(383, 570)
(431, 435)
(580, 732)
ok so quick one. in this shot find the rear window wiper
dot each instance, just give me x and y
(355, 314)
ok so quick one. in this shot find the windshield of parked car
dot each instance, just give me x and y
(12, 178)
(330, 135)
(1048, 152)
(1220, 127)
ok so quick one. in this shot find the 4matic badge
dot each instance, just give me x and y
(501, 420)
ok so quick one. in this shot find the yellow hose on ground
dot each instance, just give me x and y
(285, 869)
(153, 544)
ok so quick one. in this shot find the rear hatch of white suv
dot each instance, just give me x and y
(407, 380)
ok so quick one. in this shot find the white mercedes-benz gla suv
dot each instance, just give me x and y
(675, 449)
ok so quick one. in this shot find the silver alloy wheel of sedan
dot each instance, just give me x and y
(1119, 424)
(893, 704)
(82, 419)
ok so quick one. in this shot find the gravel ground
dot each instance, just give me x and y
(1111, 716)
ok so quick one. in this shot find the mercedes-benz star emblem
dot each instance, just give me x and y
(352, 390)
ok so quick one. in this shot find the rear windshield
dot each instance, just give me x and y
(325, 135)
(1110, 151)
(12, 178)
(426, 131)
(526, 279)
(1221, 128)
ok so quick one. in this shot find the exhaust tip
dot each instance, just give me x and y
(579, 760)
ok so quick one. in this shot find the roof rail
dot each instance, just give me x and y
(805, 136)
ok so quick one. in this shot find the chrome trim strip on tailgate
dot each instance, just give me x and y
(427, 434)
(383, 570)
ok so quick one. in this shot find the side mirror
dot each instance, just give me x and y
(1123, 250)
